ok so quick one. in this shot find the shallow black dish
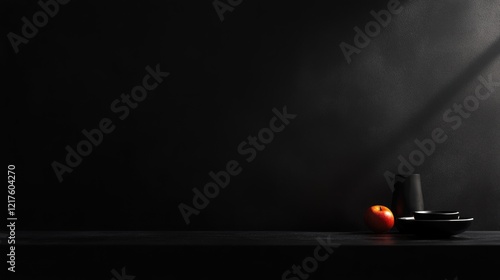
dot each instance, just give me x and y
(433, 227)
(436, 215)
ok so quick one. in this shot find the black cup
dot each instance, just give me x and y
(407, 196)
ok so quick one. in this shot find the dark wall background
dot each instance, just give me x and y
(319, 173)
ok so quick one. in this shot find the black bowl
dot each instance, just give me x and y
(440, 228)
(436, 215)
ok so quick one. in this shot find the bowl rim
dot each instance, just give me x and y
(436, 212)
(412, 219)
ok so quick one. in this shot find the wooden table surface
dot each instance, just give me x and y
(252, 255)
(245, 238)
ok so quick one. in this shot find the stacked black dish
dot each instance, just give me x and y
(434, 223)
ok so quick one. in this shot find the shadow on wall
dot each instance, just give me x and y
(462, 44)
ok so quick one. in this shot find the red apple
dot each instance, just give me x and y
(379, 218)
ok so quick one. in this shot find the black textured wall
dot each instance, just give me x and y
(352, 118)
